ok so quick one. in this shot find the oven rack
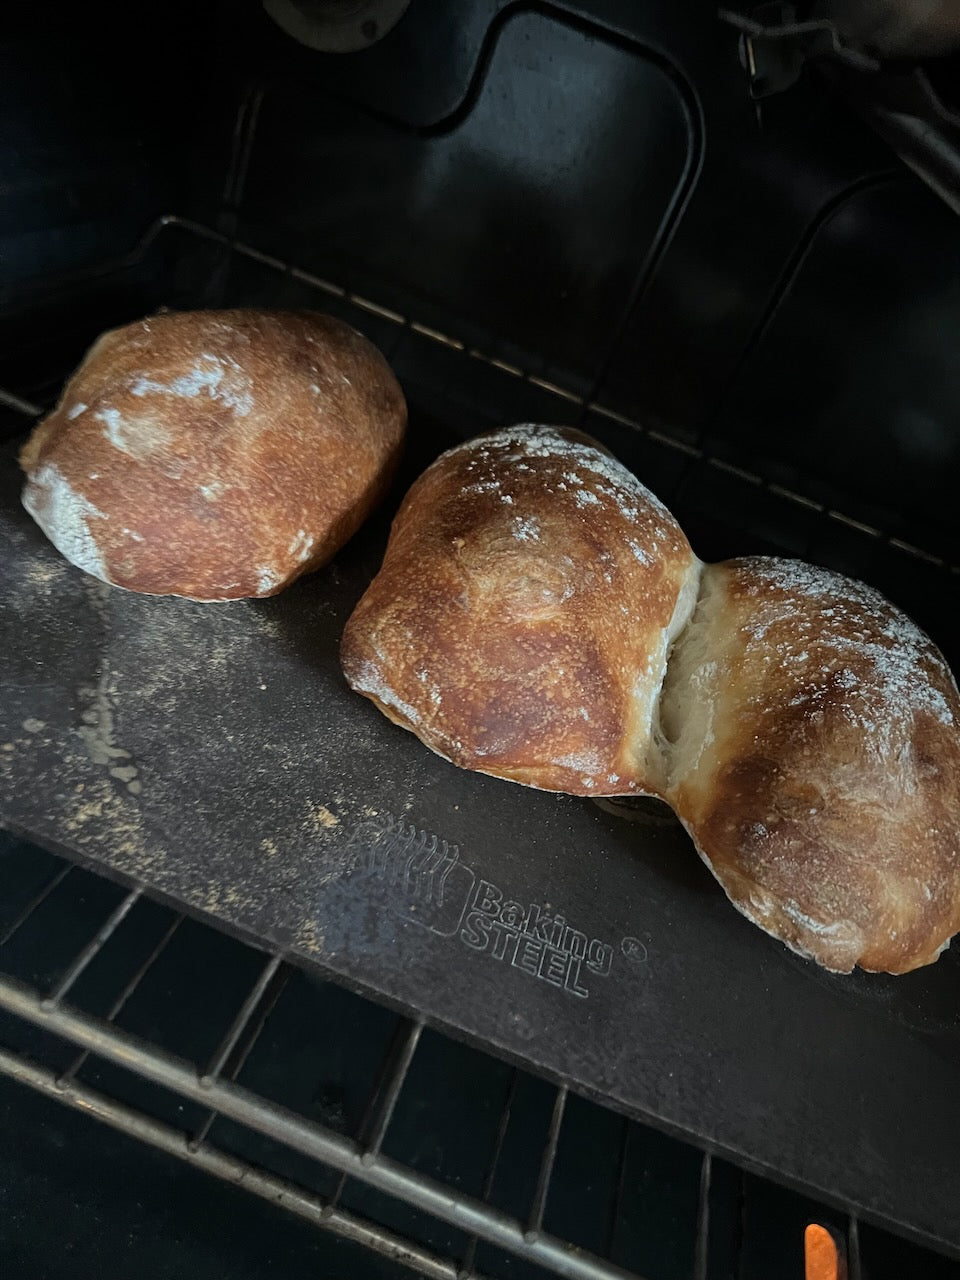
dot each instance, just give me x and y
(83, 1041)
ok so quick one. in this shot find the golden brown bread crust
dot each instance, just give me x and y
(521, 619)
(816, 763)
(215, 454)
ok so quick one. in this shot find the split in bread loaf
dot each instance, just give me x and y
(815, 760)
(521, 621)
(215, 454)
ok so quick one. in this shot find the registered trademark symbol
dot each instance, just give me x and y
(634, 950)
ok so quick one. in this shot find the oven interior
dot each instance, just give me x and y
(594, 214)
(141, 1179)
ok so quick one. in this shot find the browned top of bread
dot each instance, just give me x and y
(522, 617)
(816, 762)
(215, 454)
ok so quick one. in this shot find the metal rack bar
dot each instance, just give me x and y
(124, 996)
(244, 133)
(395, 1082)
(310, 1139)
(26, 407)
(470, 1253)
(35, 902)
(105, 266)
(246, 1012)
(617, 1206)
(700, 1253)
(266, 1009)
(278, 1191)
(93, 947)
(368, 1120)
(535, 1221)
(854, 1271)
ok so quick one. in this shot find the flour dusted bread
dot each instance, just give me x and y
(815, 761)
(215, 454)
(540, 616)
(522, 618)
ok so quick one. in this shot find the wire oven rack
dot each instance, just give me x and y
(788, 519)
(122, 955)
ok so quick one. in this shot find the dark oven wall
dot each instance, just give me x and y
(105, 124)
(585, 191)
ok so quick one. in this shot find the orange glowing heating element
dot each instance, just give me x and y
(820, 1254)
